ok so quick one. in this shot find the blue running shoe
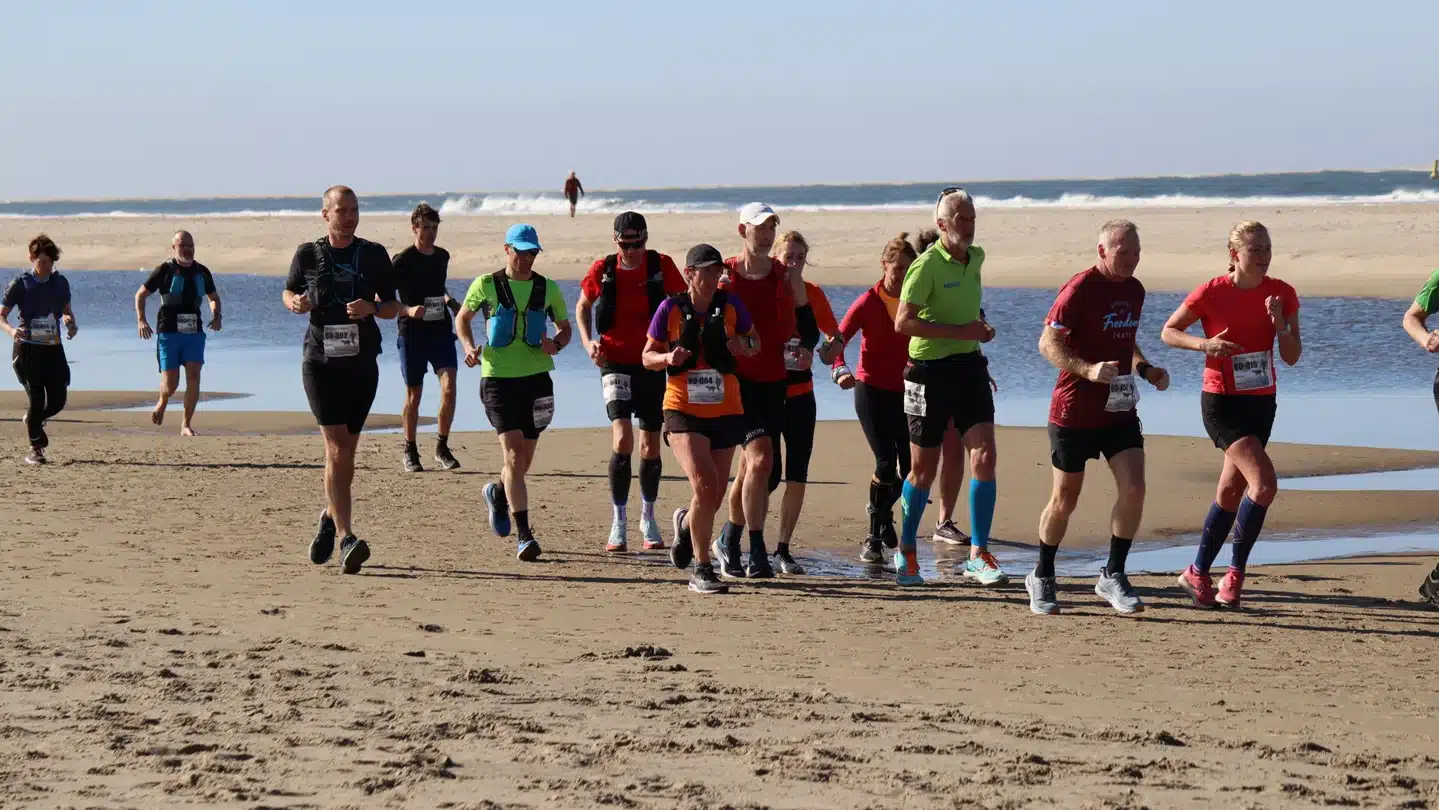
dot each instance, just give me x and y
(499, 509)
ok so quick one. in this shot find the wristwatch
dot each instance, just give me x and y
(1142, 369)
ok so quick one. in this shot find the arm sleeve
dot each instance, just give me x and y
(659, 324)
(12, 294)
(823, 313)
(209, 281)
(916, 285)
(476, 299)
(1291, 301)
(1066, 311)
(1194, 302)
(385, 281)
(1427, 299)
(674, 280)
(296, 283)
(590, 285)
(555, 301)
(152, 281)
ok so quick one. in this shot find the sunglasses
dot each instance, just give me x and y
(948, 191)
(530, 253)
(632, 245)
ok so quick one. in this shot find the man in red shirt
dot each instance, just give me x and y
(573, 192)
(779, 306)
(625, 288)
(1089, 335)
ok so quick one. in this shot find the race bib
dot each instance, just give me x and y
(914, 404)
(792, 349)
(1123, 394)
(342, 340)
(544, 412)
(44, 330)
(1253, 371)
(616, 387)
(187, 324)
(434, 308)
(704, 386)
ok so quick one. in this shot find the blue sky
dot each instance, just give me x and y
(230, 98)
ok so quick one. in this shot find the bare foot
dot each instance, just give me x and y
(157, 416)
(187, 431)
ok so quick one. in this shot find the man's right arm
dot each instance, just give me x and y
(1416, 323)
(908, 322)
(1056, 349)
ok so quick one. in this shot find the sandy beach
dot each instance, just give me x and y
(166, 642)
(1379, 250)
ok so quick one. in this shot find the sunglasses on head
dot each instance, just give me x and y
(948, 191)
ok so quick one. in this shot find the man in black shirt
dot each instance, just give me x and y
(342, 283)
(427, 335)
(180, 338)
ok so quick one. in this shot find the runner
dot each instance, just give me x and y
(427, 336)
(797, 431)
(1416, 323)
(626, 288)
(1089, 335)
(181, 339)
(947, 384)
(696, 338)
(343, 283)
(878, 386)
(43, 296)
(515, 367)
(573, 192)
(778, 305)
(1242, 312)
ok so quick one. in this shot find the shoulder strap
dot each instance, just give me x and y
(539, 293)
(503, 293)
(611, 264)
(655, 276)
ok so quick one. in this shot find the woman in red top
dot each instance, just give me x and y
(1242, 313)
(879, 390)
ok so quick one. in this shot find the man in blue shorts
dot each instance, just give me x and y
(427, 333)
(180, 336)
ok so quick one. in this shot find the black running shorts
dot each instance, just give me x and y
(1071, 448)
(951, 391)
(526, 404)
(341, 391)
(1230, 417)
(634, 392)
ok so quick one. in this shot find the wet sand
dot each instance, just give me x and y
(1381, 250)
(165, 642)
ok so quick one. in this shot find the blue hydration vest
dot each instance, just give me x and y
(501, 325)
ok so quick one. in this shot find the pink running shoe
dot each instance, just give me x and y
(1199, 587)
(1229, 589)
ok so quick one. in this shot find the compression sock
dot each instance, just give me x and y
(1045, 568)
(982, 495)
(1250, 523)
(1216, 527)
(1118, 554)
(650, 469)
(915, 499)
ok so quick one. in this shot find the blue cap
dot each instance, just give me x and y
(522, 237)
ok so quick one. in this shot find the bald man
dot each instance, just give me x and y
(181, 282)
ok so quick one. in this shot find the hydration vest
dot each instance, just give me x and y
(709, 341)
(502, 324)
(181, 296)
(323, 288)
(605, 308)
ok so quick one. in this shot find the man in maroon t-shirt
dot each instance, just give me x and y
(624, 289)
(1089, 335)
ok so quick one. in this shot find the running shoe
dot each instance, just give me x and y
(1120, 594)
(528, 550)
(731, 564)
(36, 456)
(683, 551)
(703, 580)
(1199, 587)
(985, 570)
(884, 525)
(650, 528)
(787, 564)
(906, 568)
(324, 543)
(1043, 597)
(871, 551)
(499, 509)
(1429, 588)
(617, 543)
(759, 567)
(1229, 589)
(947, 532)
(353, 553)
(445, 458)
(412, 460)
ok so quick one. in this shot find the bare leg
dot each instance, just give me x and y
(1128, 470)
(169, 381)
(951, 473)
(339, 474)
(192, 397)
(410, 413)
(789, 510)
(447, 401)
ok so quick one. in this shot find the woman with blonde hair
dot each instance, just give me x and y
(1242, 313)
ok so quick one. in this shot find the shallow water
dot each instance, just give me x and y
(1422, 480)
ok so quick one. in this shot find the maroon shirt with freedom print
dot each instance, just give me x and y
(1099, 319)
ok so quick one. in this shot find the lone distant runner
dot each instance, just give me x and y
(179, 334)
(573, 192)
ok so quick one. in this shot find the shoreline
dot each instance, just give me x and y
(1381, 250)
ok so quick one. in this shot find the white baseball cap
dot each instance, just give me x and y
(756, 213)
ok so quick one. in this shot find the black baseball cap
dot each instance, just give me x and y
(631, 222)
(703, 255)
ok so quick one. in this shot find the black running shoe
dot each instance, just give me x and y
(324, 543)
(37, 455)
(872, 551)
(683, 550)
(703, 580)
(445, 458)
(947, 532)
(787, 564)
(353, 553)
(412, 460)
(729, 559)
(759, 567)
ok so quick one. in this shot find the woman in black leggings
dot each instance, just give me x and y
(43, 297)
(878, 385)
